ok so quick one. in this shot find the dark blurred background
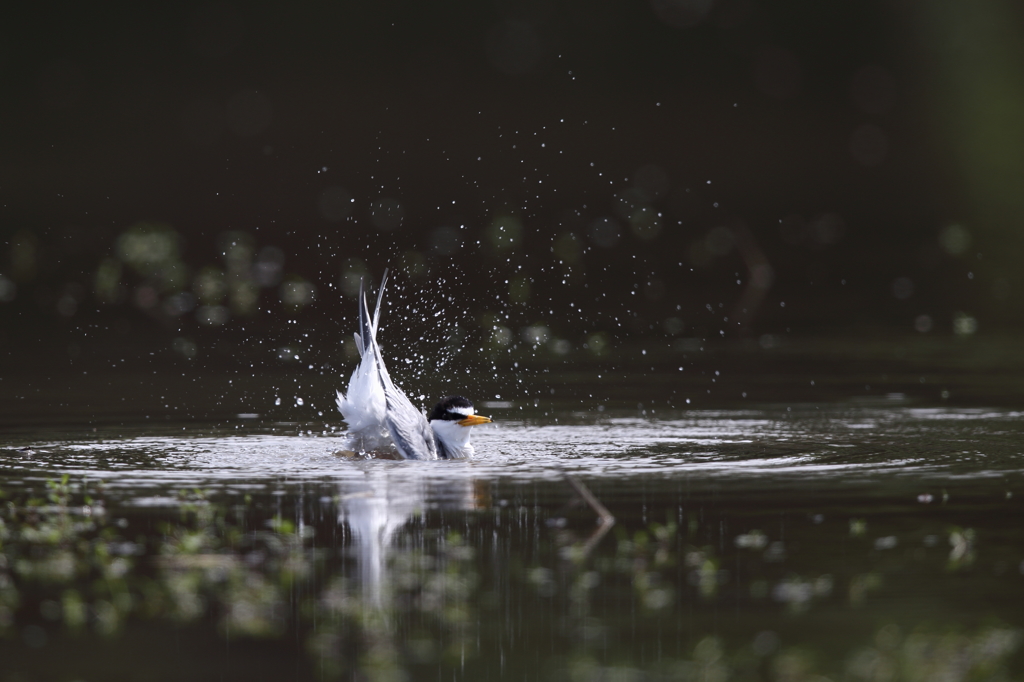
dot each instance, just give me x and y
(209, 182)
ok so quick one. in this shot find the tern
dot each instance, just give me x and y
(380, 416)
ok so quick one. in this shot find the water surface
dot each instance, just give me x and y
(774, 543)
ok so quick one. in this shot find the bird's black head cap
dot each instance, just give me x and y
(451, 408)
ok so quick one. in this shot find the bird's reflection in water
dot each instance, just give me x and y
(385, 501)
(373, 514)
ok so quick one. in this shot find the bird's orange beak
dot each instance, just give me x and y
(474, 420)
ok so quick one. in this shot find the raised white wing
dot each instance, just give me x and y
(407, 426)
(364, 408)
(377, 412)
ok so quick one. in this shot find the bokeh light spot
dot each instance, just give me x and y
(179, 304)
(645, 223)
(237, 248)
(567, 248)
(209, 285)
(504, 234)
(598, 343)
(902, 288)
(501, 336)
(297, 292)
(243, 295)
(535, 334)
(8, 289)
(964, 324)
(186, 347)
(67, 304)
(107, 281)
(353, 270)
(148, 247)
(266, 271)
(212, 315)
(954, 239)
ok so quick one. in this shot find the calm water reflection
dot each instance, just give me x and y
(794, 543)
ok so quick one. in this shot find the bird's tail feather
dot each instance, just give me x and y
(368, 325)
(380, 298)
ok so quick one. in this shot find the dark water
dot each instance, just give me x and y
(810, 541)
(773, 519)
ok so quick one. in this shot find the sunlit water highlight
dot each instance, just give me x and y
(824, 445)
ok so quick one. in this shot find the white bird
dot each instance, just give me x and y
(381, 418)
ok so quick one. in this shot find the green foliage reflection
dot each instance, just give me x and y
(583, 611)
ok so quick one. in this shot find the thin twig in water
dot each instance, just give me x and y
(606, 517)
(605, 520)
